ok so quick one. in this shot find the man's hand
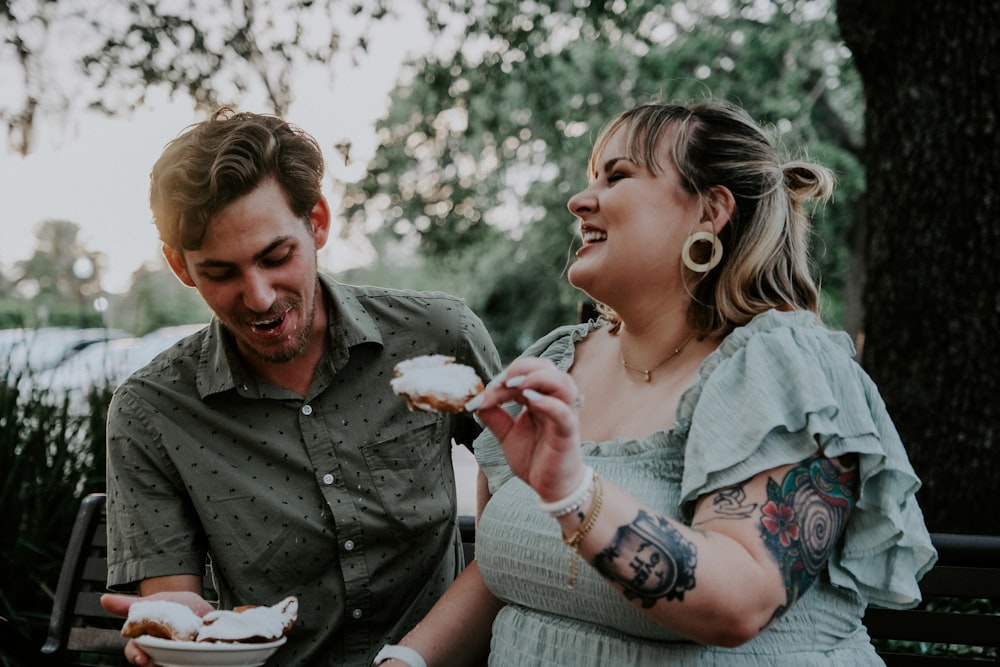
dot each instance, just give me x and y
(120, 604)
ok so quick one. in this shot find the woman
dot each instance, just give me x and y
(732, 491)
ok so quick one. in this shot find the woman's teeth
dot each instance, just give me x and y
(593, 235)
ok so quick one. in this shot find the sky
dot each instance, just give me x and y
(95, 171)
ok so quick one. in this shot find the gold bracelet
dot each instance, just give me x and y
(573, 541)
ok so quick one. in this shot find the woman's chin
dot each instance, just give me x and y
(579, 278)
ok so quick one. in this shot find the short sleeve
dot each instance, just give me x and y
(775, 392)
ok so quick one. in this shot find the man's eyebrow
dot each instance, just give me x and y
(268, 249)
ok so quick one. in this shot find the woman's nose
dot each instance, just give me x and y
(582, 202)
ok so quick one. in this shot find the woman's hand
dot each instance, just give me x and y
(542, 443)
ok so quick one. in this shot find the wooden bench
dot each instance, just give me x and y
(961, 606)
(80, 632)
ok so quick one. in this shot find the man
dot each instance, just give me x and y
(270, 442)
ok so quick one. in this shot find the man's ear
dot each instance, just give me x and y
(175, 258)
(718, 205)
(319, 216)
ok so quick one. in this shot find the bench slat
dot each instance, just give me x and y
(934, 627)
(96, 640)
(89, 606)
(95, 571)
(910, 660)
(964, 582)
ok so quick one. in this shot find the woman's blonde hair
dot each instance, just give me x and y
(766, 262)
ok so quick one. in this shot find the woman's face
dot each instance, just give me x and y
(633, 224)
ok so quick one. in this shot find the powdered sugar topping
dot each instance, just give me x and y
(263, 622)
(435, 375)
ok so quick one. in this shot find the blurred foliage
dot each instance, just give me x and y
(208, 51)
(60, 285)
(57, 284)
(484, 144)
(156, 299)
(49, 459)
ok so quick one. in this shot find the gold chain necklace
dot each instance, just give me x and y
(647, 373)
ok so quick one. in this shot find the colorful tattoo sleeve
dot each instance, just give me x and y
(803, 518)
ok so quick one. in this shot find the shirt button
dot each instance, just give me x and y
(307, 410)
(349, 545)
(328, 479)
(356, 614)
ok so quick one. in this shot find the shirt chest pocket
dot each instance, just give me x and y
(413, 478)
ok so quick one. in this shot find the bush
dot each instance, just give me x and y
(49, 459)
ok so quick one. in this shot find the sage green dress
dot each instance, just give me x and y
(764, 398)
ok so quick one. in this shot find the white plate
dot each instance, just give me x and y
(172, 653)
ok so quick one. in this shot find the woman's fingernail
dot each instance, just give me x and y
(498, 380)
(531, 394)
(474, 403)
(515, 381)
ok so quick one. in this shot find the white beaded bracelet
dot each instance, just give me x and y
(574, 500)
(404, 653)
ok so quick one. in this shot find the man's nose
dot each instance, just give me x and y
(258, 294)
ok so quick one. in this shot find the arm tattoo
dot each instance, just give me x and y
(803, 519)
(731, 503)
(650, 559)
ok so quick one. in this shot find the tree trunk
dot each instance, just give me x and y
(931, 74)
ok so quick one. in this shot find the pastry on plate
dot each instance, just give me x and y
(247, 624)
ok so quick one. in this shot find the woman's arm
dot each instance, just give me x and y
(457, 629)
(752, 549)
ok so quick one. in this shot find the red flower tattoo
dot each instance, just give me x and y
(778, 519)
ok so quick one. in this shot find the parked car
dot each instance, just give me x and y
(24, 351)
(107, 363)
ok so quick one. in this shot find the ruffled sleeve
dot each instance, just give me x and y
(772, 391)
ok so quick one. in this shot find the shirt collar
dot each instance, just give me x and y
(349, 324)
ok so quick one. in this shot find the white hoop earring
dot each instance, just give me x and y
(713, 260)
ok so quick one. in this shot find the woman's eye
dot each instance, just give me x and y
(615, 176)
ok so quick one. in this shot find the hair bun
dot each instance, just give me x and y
(808, 181)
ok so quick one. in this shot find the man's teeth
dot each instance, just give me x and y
(593, 235)
(266, 324)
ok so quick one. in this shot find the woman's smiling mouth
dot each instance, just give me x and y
(593, 235)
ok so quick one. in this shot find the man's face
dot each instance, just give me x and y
(256, 269)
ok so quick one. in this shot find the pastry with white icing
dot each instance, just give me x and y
(435, 383)
(162, 618)
(250, 624)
